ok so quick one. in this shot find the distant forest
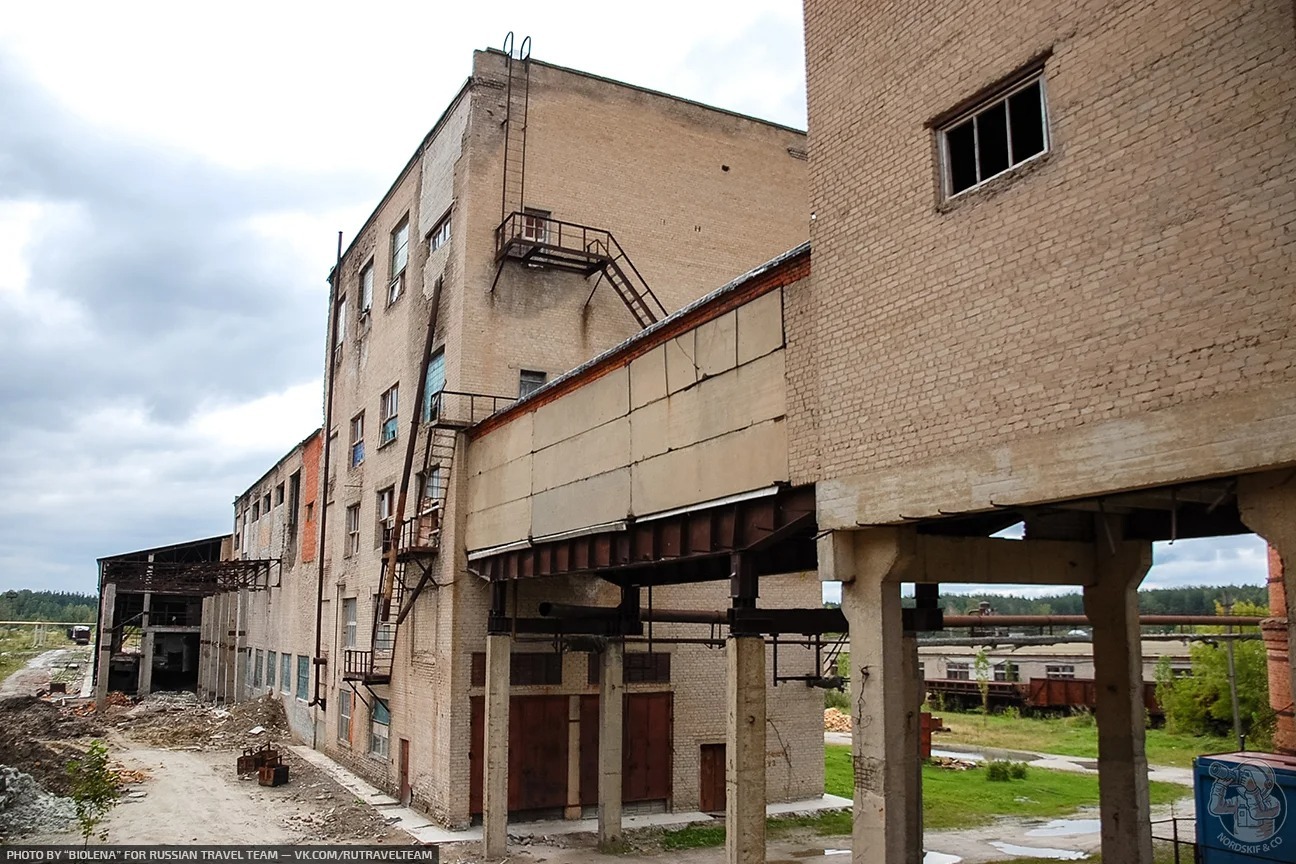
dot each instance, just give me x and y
(27, 605)
(1152, 601)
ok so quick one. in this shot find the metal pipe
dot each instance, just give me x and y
(650, 614)
(1021, 641)
(1073, 620)
(331, 366)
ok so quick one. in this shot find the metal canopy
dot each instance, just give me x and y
(187, 577)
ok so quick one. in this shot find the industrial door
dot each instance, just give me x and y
(537, 753)
(711, 782)
(645, 748)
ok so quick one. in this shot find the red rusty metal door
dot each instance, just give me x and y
(645, 748)
(537, 753)
(711, 783)
(406, 793)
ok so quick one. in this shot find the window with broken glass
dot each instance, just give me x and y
(999, 134)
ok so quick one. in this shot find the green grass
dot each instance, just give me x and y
(694, 837)
(15, 645)
(1066, 736)
(964, 799)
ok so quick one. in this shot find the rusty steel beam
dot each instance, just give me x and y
(688, 546)
(188, 577)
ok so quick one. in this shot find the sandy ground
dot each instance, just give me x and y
(38, 671)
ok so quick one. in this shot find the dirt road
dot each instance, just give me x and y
(38, 672)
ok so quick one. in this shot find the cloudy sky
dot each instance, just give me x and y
(171, 187)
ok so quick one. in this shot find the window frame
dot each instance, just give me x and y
(285, 672)
(357, 440)
(366, 288)
(399, 259)
(345, 709)
(958, 670)
(527, 386)
(383, 752)
(339, 328)
(1000, 95)
(440, 234)
(272, 660)
(303, 681)
(385, 511)
(352, 530)
(535, 228)
(1060, 671)
(350, 628)
(389, 415)
(258, 668)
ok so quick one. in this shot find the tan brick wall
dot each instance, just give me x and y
(1141, 266)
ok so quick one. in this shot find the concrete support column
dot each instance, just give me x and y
(495, 785)
(145, 683)
(572, 811)
(884, 692)
(1268, 507)
(745, 751)
(1111, 603)
(611, 708)
(107, 610)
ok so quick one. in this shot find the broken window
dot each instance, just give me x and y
(430, 488)
(530, 381)
(279, 494)
(339, 329)
(349, 622)
(958, 671)
(258, 668)
(379, 729)
(285, 672)
(435, 384)
(353, 530)
(399, 258)
(344, 716)
(272, 660)
(303, 677)
(389, 405)
(440, 234)
(294, 498)
(366, 288)
(256, 510)
(386, 514)
(265, 504)
(996, 135)
(1062, 671)
(357, 439)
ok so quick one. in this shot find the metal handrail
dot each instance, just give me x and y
(446, 407)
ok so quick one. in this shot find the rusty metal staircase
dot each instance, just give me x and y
(540, 241)
(517, 96)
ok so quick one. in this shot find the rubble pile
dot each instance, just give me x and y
(39, 738)
(836, 720)
(179, 721)
(329, 812)
(26, 808)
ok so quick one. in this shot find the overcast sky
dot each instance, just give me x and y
(171, 186)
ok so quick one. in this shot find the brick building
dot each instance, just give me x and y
(547, 217)
(1052, 249)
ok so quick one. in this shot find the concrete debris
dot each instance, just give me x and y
(179, 721)
(26, 808)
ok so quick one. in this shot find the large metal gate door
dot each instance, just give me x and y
(537, 753)
(647, 747)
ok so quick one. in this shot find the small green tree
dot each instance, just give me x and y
(981, 668)
(94, 789)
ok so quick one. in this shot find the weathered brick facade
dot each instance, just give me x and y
(1122, 302)
(695, 196)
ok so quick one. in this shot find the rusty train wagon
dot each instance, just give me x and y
(1038, 695)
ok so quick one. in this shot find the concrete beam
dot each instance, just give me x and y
(884, 698)
(997, 560)
(1267, 503)
(107, 610)
(495, 785)
(1204, 438)
(611, 708)
(745, 751)
(1112, 606)
(145, 682)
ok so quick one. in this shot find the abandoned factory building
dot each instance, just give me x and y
(548, 217)
(596, 422)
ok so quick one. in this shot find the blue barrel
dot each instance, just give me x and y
(1244, 803)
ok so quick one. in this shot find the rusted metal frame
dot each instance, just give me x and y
(751, 621)
(191, 577)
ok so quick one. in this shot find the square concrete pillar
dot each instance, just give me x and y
(146, 664)
(611, 708)
(107, 610)
(1111, 603)
(495, 785)
(745, 751)
(1268, 507)
(884, 692)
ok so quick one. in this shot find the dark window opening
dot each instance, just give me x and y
(526, 669)
(641, 667)
(530, 381)
(1000, 135)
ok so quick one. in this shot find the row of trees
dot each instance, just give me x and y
(27, 605)
(1199, 600)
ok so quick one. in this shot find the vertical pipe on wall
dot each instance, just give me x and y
(336, 283)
